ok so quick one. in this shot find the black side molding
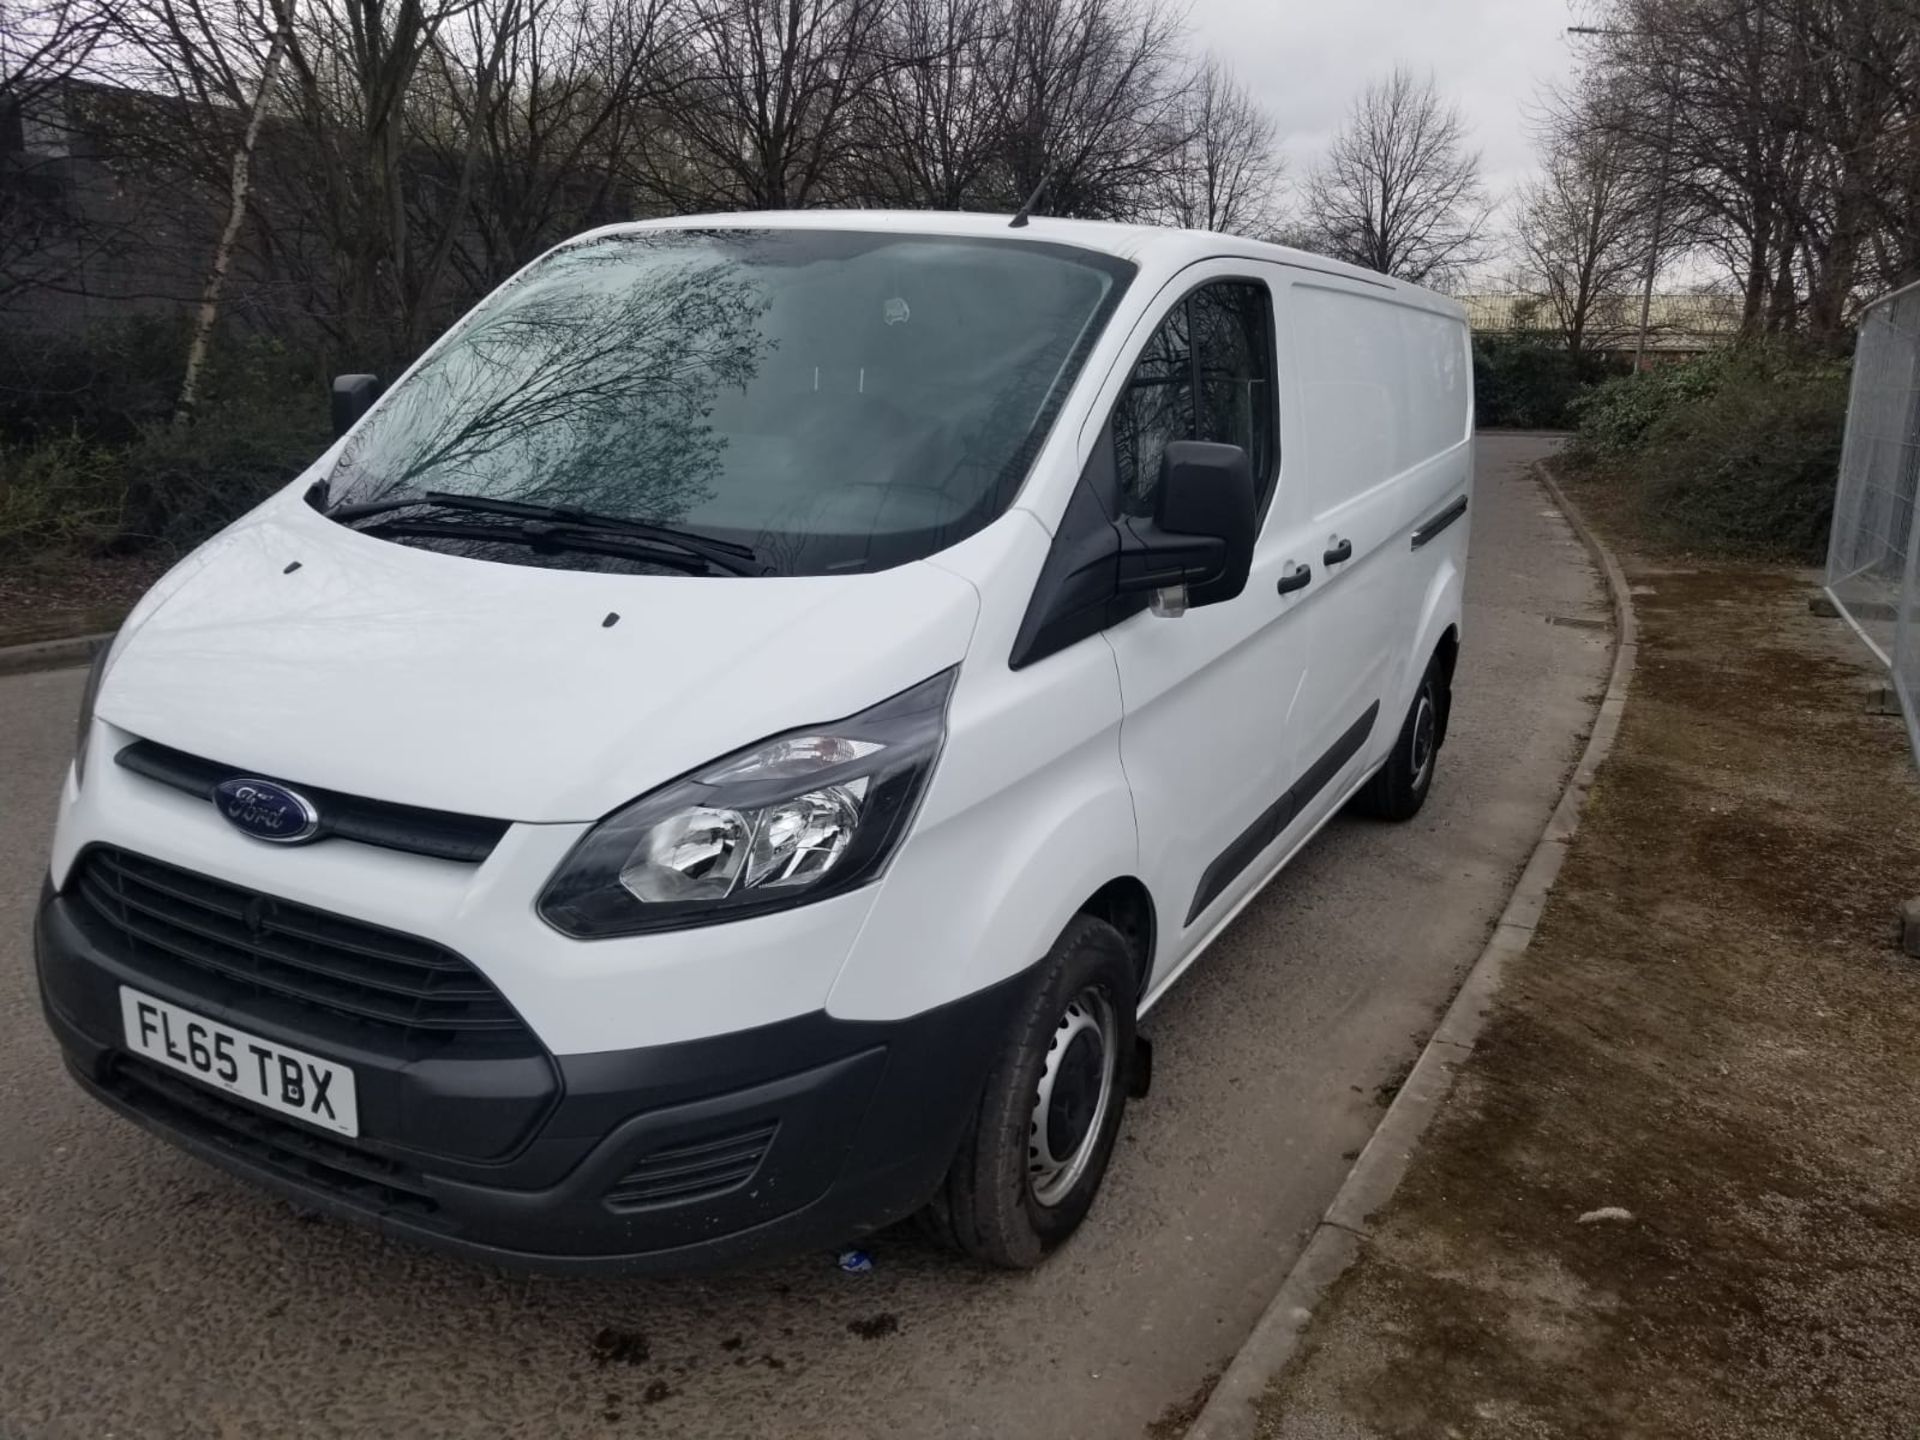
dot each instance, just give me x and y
(1426, 530)
(1277, 816)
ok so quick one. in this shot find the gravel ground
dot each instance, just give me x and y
(1714, 1038)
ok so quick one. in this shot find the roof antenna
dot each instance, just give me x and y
(1019, 221)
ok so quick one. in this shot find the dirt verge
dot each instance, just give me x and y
(54, 597)
(1712, 1032)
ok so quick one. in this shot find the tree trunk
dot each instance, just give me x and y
(241, 189)
(422, 314)
(1783, 307)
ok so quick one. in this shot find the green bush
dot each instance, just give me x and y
(90, 458)
(102, 383)
(1613, 418)
(184, 484)
(62, 493)
(1735, 452)
(1530, 384)
(1750, 465)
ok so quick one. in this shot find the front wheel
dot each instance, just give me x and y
(1037, 1146)
(1399, 788)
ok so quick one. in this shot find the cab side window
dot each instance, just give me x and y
(1205, 374)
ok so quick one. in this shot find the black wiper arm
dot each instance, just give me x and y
(574, 515)
(542, 535)
(724, 553)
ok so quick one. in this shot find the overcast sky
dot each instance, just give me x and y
(1306, 60)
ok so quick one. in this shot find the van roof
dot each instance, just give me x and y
(1164, 245)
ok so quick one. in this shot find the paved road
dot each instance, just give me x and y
(142, 1294)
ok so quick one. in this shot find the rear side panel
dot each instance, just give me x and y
(1385, 388)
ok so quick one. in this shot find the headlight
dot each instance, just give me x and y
(87, 696)
(791, 820)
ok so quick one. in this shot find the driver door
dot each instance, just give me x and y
(1208, 695)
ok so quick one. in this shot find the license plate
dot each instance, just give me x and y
(273, 1076)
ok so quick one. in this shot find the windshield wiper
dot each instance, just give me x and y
(546, 535)
(726, 555)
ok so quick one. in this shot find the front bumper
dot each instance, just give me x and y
(797, 1134)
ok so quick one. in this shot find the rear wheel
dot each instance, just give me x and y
(1037, 1146)
(1399, 788)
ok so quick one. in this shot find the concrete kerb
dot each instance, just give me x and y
(51, 654)
(1231, 1410)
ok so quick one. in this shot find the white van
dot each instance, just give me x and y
(718, 756)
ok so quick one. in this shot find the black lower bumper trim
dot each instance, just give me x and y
(674, 1157)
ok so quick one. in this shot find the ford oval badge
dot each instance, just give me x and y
(267, 811)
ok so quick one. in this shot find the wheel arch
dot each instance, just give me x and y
(1126, 904)
(1446, 654)
(1437, 632)
(1033, 857)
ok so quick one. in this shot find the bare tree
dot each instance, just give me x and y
(44, 45)
(379, 164)
(1582, 223)
(1785, 131)
(566, 130)
(45, 42)
(1093, 97)
(360, 70)
(1855, 63)
(343, 207)
(935, 132)
(1399, 191)
(240, 191)
(1700, 83)
(1886, 50)
(763, 105)
(1226, 174)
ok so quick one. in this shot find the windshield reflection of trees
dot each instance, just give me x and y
(591, 387)
(776, 390)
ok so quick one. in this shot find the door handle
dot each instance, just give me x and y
(1337, 551)
(1295, 579)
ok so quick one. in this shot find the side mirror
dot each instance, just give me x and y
(1199, 547)
(353, 396)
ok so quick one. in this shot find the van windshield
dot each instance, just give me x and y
(834, 400)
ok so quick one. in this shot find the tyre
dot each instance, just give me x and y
(1037, 1145)
(1399, 788)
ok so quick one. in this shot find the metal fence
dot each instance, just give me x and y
(1873, 554)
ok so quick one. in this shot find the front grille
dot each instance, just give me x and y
(696, 1170)
(417, 831)
(368, 1181)
(170, 918)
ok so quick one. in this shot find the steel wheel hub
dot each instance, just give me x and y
(1075, 1092)
(1423, 731)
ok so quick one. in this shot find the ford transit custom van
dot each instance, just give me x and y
(718, 755)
